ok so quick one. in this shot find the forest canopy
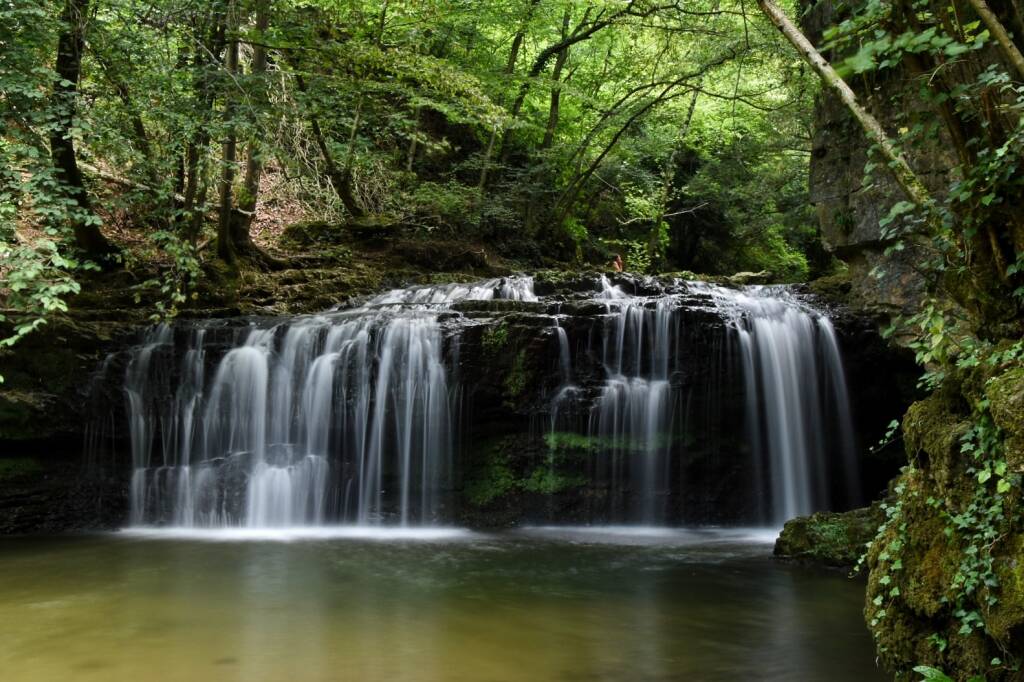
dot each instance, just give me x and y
(165, 133)
(168, 137)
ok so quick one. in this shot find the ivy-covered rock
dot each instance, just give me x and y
(946, 571)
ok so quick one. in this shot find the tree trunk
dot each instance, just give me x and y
(669, 91)
(340, 181)
(583, 31)
(510, 68)
(571, 192)
(667, 180)
(70, 45)
(207, 51)
(229, 150)
(243, 215)
(410, 158)
(134, 117)
(539, 64)
(901, 170)
(556, 89)
(995, 27)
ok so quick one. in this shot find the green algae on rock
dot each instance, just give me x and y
(831, 538)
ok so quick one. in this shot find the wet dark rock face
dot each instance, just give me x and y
(849, 209)
(520, 466)
(47, 486)
(515, 462)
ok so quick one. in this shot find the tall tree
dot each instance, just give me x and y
(208, 36)
(245, 211)
(509, 71)
(1006, 44)
(225, 238)
(70, 47)
(554, 107)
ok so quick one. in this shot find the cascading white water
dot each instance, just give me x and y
(795, 387)
(332, 409)
(517, 289)
(799, 427)
(632, 417)
(350, 416)
(564, 355)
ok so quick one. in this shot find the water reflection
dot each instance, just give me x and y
(537, 605)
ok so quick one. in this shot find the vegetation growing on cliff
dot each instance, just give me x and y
(943, 588)
(162, 136)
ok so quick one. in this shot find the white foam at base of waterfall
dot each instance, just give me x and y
(302, 533)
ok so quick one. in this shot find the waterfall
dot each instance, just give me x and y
(517, 289)
(632, 417)
(347, 410)
(352, 415)
(564, 355)
(796, 389)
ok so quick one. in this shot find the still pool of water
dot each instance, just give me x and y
(444, 605)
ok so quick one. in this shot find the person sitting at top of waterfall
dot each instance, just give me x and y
(617, 263)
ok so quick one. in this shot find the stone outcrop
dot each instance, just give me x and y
(849, 208)
(918, 624)
(835, 539)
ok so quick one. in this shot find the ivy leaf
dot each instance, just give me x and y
(863, 61)
(930, 674)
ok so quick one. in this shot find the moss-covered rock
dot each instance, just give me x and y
(830, 538)
(946, 574)
(491, 477)
(1005, 394)
(518, 376)
(932, 429)
(835, 288)
(512, 478)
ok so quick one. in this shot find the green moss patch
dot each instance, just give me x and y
(834, 539)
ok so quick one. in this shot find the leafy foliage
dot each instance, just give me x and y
(677, 128)
(968, 105)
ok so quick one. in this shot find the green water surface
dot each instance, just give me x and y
(572, 605)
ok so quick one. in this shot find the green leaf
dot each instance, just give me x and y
(932, 674)
(863, 61)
